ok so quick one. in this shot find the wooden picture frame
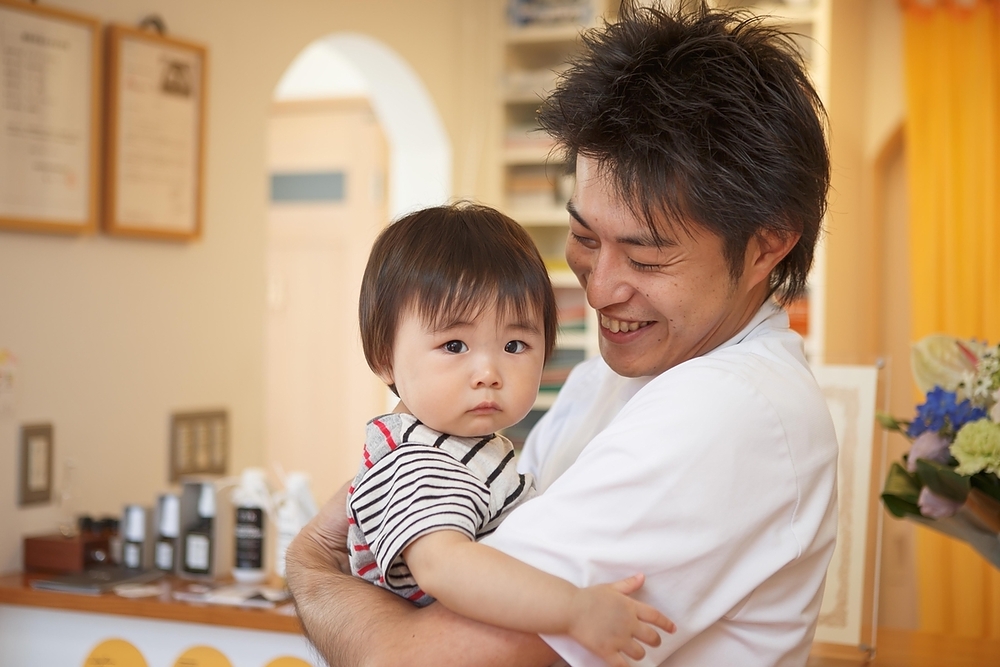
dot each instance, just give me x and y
(35, 465)
(50, 119)
(199, 444)
(846, 628)
(155, 132)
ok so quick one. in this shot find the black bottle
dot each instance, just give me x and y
(199, 539)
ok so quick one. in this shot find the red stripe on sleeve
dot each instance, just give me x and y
(388, 436)
(367, 568)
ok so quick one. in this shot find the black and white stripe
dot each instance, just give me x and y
(424, 482)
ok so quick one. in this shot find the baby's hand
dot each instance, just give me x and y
(609, 623)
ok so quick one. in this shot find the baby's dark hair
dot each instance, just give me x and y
(448, 263)
(703, 117)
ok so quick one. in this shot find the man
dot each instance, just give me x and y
(698, 450)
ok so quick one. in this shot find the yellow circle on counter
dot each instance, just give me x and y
(202, 656)
(287, 661)
(115, 653)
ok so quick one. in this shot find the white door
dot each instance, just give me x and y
(327, 160)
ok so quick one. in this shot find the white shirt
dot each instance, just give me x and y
(716, 479)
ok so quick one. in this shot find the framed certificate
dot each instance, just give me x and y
(154, 135)
(49, 118)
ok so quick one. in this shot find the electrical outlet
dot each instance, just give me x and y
(199, 443)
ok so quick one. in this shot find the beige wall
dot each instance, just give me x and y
(113, 335)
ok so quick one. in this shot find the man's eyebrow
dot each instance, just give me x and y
(643, 240)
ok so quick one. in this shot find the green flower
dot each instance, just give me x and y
(977, 448)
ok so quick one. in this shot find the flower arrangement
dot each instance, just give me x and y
(950, 478)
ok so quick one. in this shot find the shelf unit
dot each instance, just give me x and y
(538, 41)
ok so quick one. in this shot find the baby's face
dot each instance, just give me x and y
(469, 378)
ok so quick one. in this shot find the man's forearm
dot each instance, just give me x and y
(355, 624)
(323, 600)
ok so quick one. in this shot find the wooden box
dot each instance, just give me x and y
(64, 555)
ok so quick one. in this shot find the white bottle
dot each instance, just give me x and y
(135, 537)
(165, 551)
(252, 502)
(294, 508)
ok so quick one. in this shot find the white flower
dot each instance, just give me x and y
(942, 361)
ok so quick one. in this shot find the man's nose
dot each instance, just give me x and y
(606, 281)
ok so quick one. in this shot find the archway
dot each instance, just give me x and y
(354, 142)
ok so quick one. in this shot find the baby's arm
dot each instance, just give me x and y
(487, 585)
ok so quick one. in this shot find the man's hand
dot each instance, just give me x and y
(610, 623)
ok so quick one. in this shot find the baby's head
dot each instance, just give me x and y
(440, 285)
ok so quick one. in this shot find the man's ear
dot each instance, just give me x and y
(764, 252)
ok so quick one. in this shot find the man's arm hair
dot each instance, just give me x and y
(355, 624)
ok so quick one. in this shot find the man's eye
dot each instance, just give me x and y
(456, 346)
(515, 346)
(638, 266)
(585, 241)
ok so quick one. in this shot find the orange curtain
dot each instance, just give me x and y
(952, 61)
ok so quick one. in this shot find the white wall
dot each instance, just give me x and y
(112, 335)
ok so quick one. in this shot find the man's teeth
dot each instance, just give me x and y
(616, 326)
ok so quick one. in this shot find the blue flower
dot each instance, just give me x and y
(942, 414)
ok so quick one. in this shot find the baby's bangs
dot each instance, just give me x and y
(467, 300)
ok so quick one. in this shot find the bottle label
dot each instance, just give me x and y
(164, 556)
(196, 552)
(249, 537)
(132, 555)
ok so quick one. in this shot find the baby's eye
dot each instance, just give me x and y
(456, 347)
(515, 346)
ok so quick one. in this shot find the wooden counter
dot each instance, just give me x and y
(15, 589)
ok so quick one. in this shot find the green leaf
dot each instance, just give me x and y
(890, 423)
(987, 483)
(900, 492)
(898, 507)
(943, 480)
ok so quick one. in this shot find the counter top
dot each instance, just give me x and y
(15, 589)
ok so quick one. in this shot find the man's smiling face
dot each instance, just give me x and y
(658, 305)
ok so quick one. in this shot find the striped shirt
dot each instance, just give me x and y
(414, 480)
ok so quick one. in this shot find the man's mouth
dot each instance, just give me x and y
(618, 326)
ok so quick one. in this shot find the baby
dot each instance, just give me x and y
(457, 318)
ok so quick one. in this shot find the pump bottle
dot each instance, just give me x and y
(294, 508)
